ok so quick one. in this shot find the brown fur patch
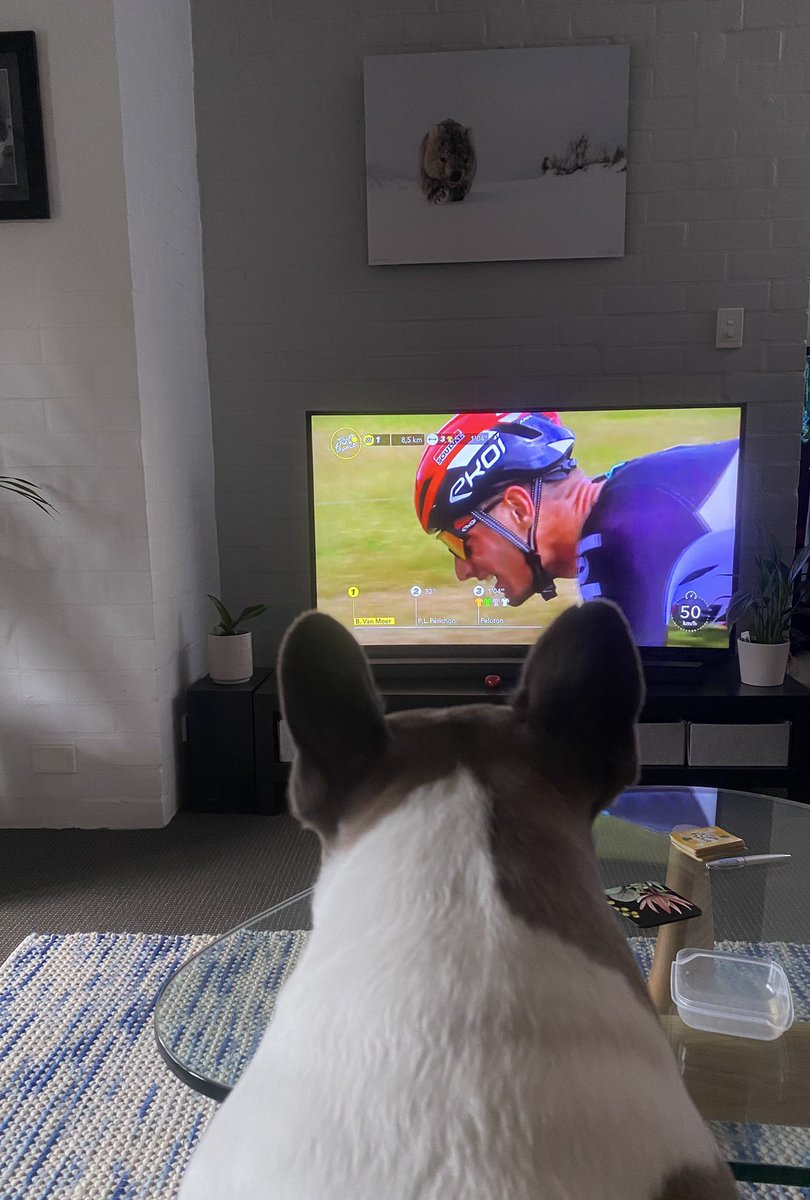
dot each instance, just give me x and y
(699, 1183)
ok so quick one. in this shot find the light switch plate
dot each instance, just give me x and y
(729, 332)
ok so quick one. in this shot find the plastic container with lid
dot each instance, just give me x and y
(724, 992)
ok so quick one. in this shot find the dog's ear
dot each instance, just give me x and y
(580, 694)
(334, 714)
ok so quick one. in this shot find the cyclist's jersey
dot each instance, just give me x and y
(659, 523)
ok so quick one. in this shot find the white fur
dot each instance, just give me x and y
(431, 1046)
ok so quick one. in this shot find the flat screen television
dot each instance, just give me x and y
(465, 534)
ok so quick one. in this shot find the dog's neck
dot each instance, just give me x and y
(424, 869)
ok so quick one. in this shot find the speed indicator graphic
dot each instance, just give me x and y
(690, 612)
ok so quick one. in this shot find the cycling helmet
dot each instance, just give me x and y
(476, 457)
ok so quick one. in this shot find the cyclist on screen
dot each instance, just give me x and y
(504, 493)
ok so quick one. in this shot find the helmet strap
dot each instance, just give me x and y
(543, 582)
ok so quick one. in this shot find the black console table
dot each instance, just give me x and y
(708, 730)
(220, 747)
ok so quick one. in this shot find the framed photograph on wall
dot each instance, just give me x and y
(490, 155)
(23, 179)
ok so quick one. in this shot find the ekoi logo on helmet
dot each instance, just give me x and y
(488, 457)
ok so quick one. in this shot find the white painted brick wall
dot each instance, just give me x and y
(69, 384)
(86, 657)
(717, 216)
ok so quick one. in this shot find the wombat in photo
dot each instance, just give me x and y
(447, 162)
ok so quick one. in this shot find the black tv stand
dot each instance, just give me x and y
(699, 726)
(676, 670)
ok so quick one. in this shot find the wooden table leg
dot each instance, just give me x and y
(689, 878)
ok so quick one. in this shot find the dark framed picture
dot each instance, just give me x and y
(23, 180)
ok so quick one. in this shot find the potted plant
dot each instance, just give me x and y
(230, 649)
(766, 611)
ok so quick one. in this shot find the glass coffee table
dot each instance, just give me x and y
(210, 1016)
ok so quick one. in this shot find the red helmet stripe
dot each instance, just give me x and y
(452, 450)
(429, 474)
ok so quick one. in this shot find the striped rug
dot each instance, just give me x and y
(88, 1109)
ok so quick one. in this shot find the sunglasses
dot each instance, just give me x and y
(456, 542)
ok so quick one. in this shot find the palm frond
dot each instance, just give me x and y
(29, 491)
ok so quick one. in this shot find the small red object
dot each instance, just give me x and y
(492, 681)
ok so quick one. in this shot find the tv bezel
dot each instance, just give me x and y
(441, 657)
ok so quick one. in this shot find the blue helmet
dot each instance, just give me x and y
(479, 454)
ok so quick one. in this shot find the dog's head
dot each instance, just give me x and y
(540, 769)
(559, 753)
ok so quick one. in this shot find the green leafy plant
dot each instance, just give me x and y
(768, 607)
(31, 491)
(229, 625)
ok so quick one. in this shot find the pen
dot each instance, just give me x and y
(748, 860)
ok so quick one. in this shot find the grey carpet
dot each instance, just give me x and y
(202, 873)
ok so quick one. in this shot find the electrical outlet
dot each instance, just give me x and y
(729, 331)
(54, 760)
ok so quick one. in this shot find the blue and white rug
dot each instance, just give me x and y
(88, 1109)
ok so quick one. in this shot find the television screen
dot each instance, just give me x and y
(476, 529)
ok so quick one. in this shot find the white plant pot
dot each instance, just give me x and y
(761, 664)
(230, 657)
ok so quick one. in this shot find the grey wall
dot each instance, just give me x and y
(717, 215)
